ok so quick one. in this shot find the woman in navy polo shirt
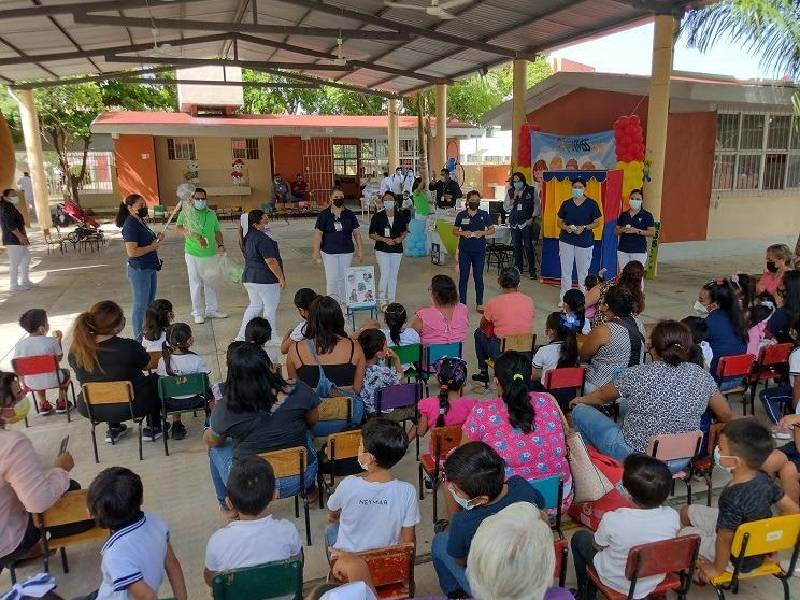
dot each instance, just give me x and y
(634, 226)
(388, 228)
(141, 245)
(577, 218)
(263, 272)
(336, 238)
(471, 227)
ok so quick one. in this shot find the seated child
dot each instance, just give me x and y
(592, 281)
(701, 354)
(178, 359)
(757, 318)
(648, 483)
(255, 537)
(138, 551)
(374, 509)
(744, 445)
(258, 331)
(377, 375)
(561, 352)
(302, 301)
(776, 398)
(157, 318)
(744, 286)
(574, 308)
(476, 482)
(396, 332)
(34, 321)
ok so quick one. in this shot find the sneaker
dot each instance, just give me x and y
(215, 314)
(63, 407)
(151, 434)
(481, 377)
(29, 285)
(178, 431)
(114, 433)
(199, 320)
(45, 408)
(427, 482)
(533, 275)
(480, 308)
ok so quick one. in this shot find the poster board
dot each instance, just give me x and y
(360, 287)
(585, 152)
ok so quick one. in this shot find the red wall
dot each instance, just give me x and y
(135, 159)
(493, 174)
(287, 155)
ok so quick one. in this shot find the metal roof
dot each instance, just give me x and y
(389, 50)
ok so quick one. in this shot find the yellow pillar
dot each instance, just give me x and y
(518, 117)
(658, 110)
(440, 155)
(33, 147)
(393, 135)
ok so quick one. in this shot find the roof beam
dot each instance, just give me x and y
(182, 24)
(71, 8)
(219, 62)
(30, 85)
(71, 40)
(651, 6)
(27, 59)
(161, 81)
(327, 83)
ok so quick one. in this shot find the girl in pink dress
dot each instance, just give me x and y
(447, 320)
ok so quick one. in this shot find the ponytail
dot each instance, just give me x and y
(177, 338)
(564, 327)
(451, 373)
(103, 318)
(444, 406)
(513, 372)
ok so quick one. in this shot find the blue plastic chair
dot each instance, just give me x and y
(552, 490)
(433, 353)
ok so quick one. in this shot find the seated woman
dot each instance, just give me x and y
(726, 327)
(631, 278)
(616, 345)
(259, 412)
(328, 351)
(97, 354)
(668, 395)
(446, 320)
(525, 428)
(787, 297)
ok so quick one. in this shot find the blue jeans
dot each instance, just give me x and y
(221, 460)
(324, 428)
(606, 436)
(467, 261)
(144, 283)
(583, 553)
(452, 575)
(485, 347)
(774, 401)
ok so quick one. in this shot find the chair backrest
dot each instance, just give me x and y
(159, 209)
(671, 446)
(401, 395)
(108, 392)
(523, 342)
(70, 508)
(35, 365)
(436, 351)
(766, 536)
(551, 490)
(666, 556)
(336, 408)
(564, 378)
(287, 462)
(739, 365)
(279, 579)
(155, 356)
(412, 353)
(193, 384)
(774, 354)
(444, 439)
(390, 566)
(343, 445)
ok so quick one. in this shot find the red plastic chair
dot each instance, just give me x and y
(561, 548)
(565, 378)
(676, 558)
(739, 365)
(42, 364)
(677, 446)
(772, 363)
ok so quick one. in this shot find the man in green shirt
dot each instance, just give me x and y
(203, 242)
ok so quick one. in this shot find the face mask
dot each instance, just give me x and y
(636, 204)
(338, 202)
(465, 504)
(717, 456)
(577, 193)
(398, 173)
(700, 307)
(388, 204)
(518, 185)
(200, 204)
(17, 412)
(473, 205)
(142, 212)
(771, 266)
(277, 181)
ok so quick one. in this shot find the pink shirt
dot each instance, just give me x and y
(769, 282)
(25, 487)
(754, 337)
(511, 314)
(436, 329)
(456, 415)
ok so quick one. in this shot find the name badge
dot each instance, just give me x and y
(464, 222)
(387, 232)
(519, 206)
(337, 226)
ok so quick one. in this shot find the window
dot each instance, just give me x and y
(756, 152)
(345, 159)
(374, 156)
(246, 149)
(180, 149)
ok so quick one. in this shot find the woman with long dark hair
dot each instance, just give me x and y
(725, 321)
(787, 297)
(630, 278)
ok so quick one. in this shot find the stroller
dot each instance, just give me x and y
(88, 227)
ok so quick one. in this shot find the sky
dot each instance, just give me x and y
(630, 51)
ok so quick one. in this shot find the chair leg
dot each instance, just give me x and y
(164, 434)
(421, 484)
(321, 490)
(297, 507)
(64, 561)
(689, 489)
(785, 583)
(12, 571)
(94, 444)
(141, 455)
(307, 521)
(435, 500)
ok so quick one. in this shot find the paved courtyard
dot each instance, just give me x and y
(178, 487)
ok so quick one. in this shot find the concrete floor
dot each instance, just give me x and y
(178, 487)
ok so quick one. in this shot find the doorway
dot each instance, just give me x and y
(345, 167)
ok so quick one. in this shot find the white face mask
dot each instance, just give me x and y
(388, 204)
(717, 456)
(13, 199)
(700, 308)
(636, 204)
(465, 504)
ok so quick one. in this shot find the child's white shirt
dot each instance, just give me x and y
(546, 358)
(183, 364)
(154, 346)
(297, 333)
(249, 543)
(708, 353)
(37, 345)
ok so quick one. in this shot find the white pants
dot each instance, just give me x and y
(389, 263)
(581, 257)
(623, 258)
(335, 265)
(264, 300)
(19, 266)
(197, 285)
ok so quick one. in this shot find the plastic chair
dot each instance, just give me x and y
(565, 378)
(410, 354)
(739, 365)
(704, 467)
(762, 537)
(400, 397)
(552, 490)
(287, 463)
(523, 343)
(676, 558)
(194, 384)
(391, 570)
(340, 446)
(443, 440)
(279, 579)
(677, 446)
(432, 353)
(772, 364)
(42, 364)
(109, 393)
(561, 549)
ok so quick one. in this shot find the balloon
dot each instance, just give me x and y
(635, 119)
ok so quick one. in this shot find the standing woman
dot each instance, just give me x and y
(577, 218)
(388, 228)
(263, 276)
(336, 238)
(523, 206)
(422, 202)
(141, 246)
(634, 226)
(16, 241)
(471, 227)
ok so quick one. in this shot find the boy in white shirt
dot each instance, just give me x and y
(374, 510)
(648, 483)
(255, 538)
(302, 301)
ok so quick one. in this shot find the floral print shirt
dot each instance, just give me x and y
(376, 377)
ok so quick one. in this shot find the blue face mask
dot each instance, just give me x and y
(200, 204)
(463, 503)
(518, 185)
(577, 193)
(388, 204)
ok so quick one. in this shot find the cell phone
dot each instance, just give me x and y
(63, 447)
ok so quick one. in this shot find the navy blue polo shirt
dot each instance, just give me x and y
(722, 338)
(10, 219)
(525, 207)
(134, 230)
(633, 243)
(337, 233)
(477, 222)
(579, 215)
(379, 225)
(258, 247)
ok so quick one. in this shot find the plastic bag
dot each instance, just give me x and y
(220, 269)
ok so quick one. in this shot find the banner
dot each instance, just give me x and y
(584, 152)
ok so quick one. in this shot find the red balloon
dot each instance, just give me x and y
(635, 119)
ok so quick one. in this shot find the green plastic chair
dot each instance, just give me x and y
(410, 354)
(194, 384)
(279, 579)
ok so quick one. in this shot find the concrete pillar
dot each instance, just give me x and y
(440, 156)
(658, 110)
(33, 147)
(518, 117)
(393, 135)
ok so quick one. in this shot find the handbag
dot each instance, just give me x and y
(589, 482)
